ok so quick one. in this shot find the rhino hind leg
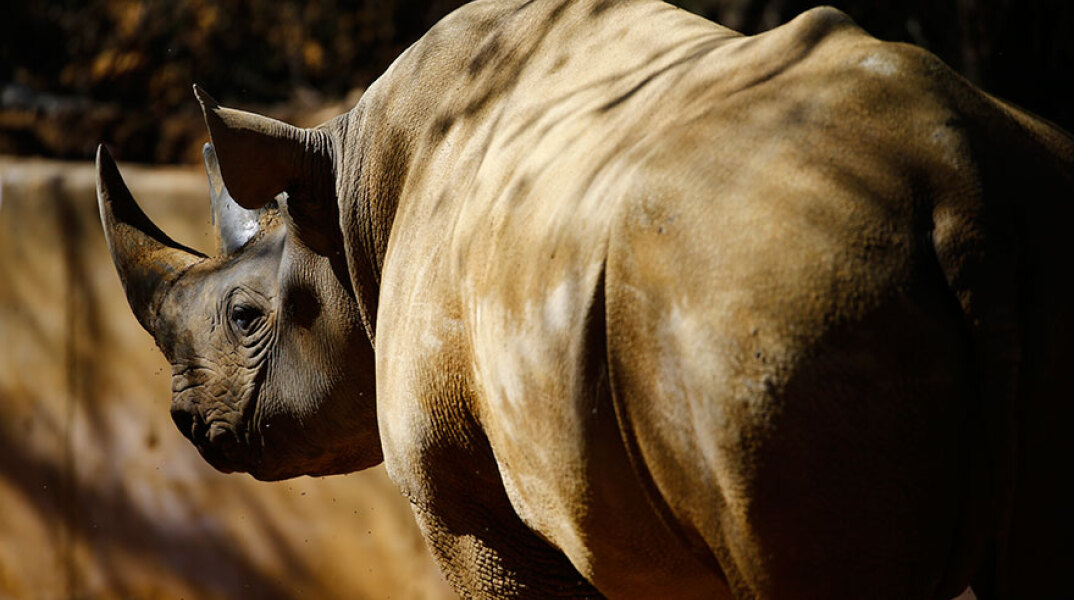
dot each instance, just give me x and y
(481, 545)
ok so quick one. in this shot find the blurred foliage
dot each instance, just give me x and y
(148, 52)
(73, 73)
(76, 72)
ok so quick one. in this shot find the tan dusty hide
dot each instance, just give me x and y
(658, 310)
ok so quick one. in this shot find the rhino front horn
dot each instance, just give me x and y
(147, 260)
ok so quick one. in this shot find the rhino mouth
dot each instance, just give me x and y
(217, 441)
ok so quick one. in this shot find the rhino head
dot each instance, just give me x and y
(272, 367)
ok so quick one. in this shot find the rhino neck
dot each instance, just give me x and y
(404, 138)
(371, 167)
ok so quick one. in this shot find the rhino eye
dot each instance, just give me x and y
(245, 318)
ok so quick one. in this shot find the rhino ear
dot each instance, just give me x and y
(234, 224)
(261, 157)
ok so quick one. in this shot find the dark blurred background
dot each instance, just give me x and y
(75, 72)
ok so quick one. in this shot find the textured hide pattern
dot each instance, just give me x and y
(631, 305)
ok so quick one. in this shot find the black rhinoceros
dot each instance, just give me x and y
(631, 305)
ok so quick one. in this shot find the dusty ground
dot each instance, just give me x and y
(100, 497)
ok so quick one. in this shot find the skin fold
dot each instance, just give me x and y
(633, 306)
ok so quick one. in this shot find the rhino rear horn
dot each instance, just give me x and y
(234, 224)
(147, 260)
(261, 157)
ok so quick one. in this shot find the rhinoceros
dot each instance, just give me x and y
(633, 306)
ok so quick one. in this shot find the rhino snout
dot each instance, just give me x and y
(223, 439)
(184, 421)
(217, 442)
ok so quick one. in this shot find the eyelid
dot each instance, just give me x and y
(243, 298)
(255, 312)
(245, 307)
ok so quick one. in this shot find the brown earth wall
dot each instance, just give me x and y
(100, 496)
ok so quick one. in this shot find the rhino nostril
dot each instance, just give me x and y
(184, 421)
(221, 437)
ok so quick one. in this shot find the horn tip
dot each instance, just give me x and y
(103, 156)
(108, 183)
(207, 101)
(107, 172)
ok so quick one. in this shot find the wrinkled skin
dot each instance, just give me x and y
(240, 330)
(239, 377)
(658, 310)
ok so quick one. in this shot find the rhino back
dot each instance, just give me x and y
(665, 265)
